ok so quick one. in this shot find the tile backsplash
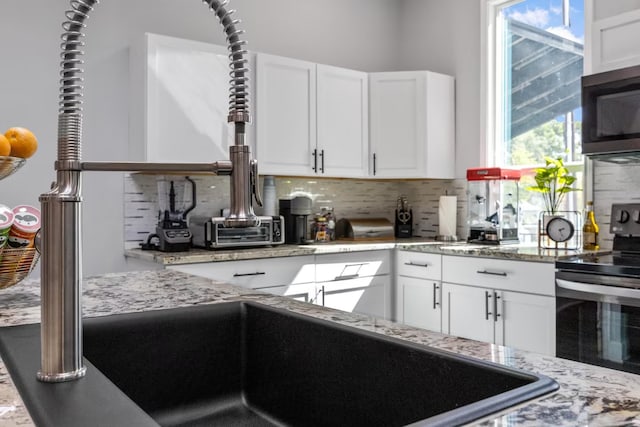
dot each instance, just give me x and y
(356, 198)
(350, 198)
(613, 183)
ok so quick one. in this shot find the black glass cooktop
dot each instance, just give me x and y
(609, 264)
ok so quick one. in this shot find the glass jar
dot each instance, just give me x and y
(320, 229)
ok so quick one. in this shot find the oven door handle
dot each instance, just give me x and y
(598, 289)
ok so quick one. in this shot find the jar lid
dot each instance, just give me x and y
(26, 218)
(6, 217)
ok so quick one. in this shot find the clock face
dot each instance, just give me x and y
(560, 229)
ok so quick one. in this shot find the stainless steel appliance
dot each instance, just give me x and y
(172, 231)
(296, 213)
(359, 229)
(598, 299)
(212, 233)
(611, 112)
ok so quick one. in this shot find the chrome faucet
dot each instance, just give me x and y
(61, 246)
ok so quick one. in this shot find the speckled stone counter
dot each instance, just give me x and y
(588, 395)
(514, 252)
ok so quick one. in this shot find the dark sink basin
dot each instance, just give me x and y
(245, 364)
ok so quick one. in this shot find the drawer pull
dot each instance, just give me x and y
(416, 264)
(493, 273)
(257, 273)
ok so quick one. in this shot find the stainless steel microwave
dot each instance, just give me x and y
(611, 113)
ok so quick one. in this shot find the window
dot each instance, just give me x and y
(534, 62)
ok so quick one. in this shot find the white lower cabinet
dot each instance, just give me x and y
(256, 273)
(505, 302)
(418, 303)
(418, 290)
(528, 322)
(358, 282)
(467, 312)
(366, 295)
(513, 319)
(302, 292)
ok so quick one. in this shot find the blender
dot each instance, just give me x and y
(172, 230)
(493, 205)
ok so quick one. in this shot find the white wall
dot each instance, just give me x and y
(444, 36)
(359, 34)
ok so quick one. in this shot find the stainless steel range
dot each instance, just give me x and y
(598, 299)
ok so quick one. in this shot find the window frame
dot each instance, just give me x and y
(491, 90)
(489, 51)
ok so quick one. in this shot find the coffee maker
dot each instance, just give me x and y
(296, 213)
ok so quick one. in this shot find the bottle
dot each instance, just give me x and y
(590, 230)
(269, 191)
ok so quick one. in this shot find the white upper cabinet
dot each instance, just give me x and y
(312, 119)
(615, 42)
(179, 101)
(286, 126)
(342, 122)
(412, 125)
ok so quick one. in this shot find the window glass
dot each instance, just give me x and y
(539, 64)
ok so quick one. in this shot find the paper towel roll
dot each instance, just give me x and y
(447, 212)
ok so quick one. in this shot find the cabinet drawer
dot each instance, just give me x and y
(519, 276)
(255, 273)
(368, 295)
(352, 265)
(419, 264)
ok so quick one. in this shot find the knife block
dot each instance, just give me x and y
(404, 224)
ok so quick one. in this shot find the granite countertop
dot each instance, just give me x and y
(521, 252)
(588, 395)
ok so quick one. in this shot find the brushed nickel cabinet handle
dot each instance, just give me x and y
(487, 313)
(315, 160)
(416, 264)
(374, 164)
(257, 273)
(495, 306)
(492, 273)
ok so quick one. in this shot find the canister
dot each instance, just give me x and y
(26, 223)
(6, 221)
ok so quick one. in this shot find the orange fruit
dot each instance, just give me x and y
(5, 146)
(23, 142)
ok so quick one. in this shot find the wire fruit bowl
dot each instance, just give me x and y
(16, 264)
(9, 165)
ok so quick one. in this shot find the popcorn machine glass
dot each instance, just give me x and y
(493, 205)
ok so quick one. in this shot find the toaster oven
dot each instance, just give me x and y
(210, 233)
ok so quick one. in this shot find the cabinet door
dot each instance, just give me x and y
(367, 295)
(528, 322)
(286, 125)
(342, 122)
(412, 125)
(179, 101)
(614, 38)
(467, 312)
(398, 114)
(418, 303)
(303, 292)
